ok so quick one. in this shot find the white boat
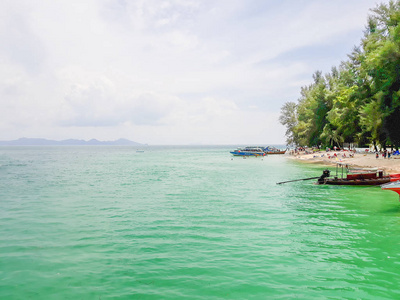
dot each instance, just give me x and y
(249, 151)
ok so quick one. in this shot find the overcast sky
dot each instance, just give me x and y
(165, 72)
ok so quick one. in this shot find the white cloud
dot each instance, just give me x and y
(173, 71)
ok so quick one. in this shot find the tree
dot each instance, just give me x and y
(382, 63)
(288, 118)
(360, 100)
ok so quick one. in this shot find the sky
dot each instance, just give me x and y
(173, 72)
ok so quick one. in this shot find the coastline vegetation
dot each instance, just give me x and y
(359, 101)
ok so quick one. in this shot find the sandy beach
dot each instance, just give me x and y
(363, 160)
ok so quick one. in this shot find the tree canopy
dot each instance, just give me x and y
(358, 101)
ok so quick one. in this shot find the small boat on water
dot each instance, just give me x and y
(392, 186)
(394, 177)
(357, 179)
(249, 151)
(273, 150)
(354, 177)
(346, 176)
(372, 176)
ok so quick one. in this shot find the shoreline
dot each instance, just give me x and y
(359, 160)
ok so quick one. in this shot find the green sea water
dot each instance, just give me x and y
(188, 223)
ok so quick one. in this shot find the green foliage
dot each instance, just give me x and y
(360, 100)
(288, 118)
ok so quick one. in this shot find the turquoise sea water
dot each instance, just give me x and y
(188, 223)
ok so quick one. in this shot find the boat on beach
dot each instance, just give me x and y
(249, 151)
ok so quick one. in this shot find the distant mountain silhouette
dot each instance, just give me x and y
(69, 142)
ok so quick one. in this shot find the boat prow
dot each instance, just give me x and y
(392, 186)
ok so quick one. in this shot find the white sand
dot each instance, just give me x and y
(369, 160)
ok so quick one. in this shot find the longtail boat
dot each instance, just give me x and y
(357, 179)
(346, 176)
(273, 150)
(354, 177)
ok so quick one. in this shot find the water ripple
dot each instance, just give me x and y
(187, 223)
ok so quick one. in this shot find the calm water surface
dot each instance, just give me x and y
(188, 223)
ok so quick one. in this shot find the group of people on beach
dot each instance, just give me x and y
(311, 150)
(334, 155)
(338, 153)
(384, 153)
(305, 150)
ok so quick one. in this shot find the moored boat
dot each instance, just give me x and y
(357, 181)
(345, 176)
(392, 186)
(249, 151)
(394, 177)
(360, 177)
(273, 150)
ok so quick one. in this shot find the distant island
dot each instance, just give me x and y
(69, 142)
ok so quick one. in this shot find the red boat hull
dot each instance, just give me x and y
(394, 177)
(276, 152)
(397, 190)
(343, 181)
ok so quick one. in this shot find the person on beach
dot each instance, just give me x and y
(377, 155)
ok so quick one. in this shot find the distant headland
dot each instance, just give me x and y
(69, 142)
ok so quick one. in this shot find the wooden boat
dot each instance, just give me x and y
(394, 177)
(277, 152)
(273, 150)
(361, 177)
(356, 181)
(353, 177)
